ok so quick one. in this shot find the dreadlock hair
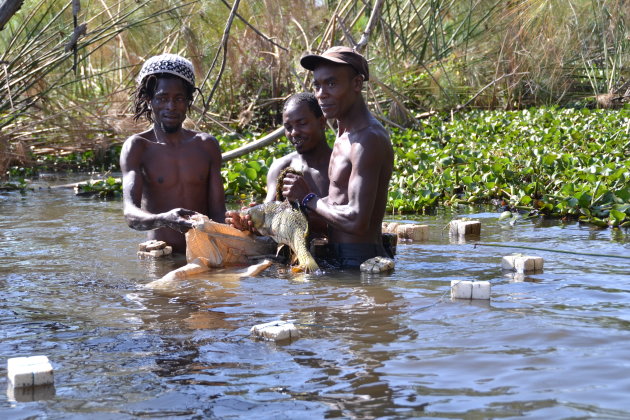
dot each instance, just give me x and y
(307, 98)
(146, 90)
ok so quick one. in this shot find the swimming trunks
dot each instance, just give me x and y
(351, 255)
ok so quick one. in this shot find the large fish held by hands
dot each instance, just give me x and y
(285, 225)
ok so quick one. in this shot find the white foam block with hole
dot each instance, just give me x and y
(522, 263)
(461, 289)
(29, 371)
(276, 330)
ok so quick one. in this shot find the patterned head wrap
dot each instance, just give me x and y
(168, 63)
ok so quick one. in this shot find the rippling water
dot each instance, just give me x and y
(547, 345)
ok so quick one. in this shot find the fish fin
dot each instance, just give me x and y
(309, 265)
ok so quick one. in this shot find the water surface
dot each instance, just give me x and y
(548, 345)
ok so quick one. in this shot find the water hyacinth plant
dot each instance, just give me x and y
(550, 161)
(553, 162)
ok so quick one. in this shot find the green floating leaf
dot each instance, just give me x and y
(251, 173)
(617, 216)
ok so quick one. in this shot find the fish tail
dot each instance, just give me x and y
(308, 263)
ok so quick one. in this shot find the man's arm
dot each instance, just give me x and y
(136, 217)
(216, 193)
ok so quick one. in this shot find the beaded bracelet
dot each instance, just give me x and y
(308, 198)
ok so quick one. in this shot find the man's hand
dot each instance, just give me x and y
(294, 187)
(178, 219)
(234, 219)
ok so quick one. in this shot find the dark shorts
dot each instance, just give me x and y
(352, 255)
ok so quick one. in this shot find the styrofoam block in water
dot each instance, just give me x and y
(29, 371)
(276, 330)
(412, 231)
(151, 245)
(461, 289)
(464, 227)
(156, 253)
(522, 263)
(389, 227)
(377, 265)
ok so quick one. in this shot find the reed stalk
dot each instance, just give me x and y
(424, 55)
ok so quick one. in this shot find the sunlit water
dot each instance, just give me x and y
(549, 345)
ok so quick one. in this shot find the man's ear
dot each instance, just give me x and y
(358, 82)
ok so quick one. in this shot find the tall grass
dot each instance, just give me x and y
(424, 55)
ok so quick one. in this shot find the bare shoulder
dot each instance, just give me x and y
(373, 136)
(281, 163)
(138, 140)
(133, 149)
(206, 139)
(207, 142)
(284, 161)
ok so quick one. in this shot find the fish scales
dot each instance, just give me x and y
(286, 226)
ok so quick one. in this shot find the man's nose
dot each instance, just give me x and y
(319, 93)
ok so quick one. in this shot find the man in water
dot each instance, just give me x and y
(361, 162)
(169, 173)
(305, 128)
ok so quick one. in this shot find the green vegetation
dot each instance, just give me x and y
(109, 187)
(556, 162)
(19, 185)
(67, 74)
(67, 68)
(568, 163)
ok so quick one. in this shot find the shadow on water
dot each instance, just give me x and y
(549, 344)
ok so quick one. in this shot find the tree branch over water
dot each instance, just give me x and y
(224, 41)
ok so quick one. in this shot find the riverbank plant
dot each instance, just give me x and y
(67, 68)
(567, 163)
(108, 187)
(553, 162)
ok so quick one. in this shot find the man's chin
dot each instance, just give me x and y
(170, 129)
(329, 115)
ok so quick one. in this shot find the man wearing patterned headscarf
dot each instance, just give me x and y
(169, 172)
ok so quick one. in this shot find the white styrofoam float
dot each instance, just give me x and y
(154, 248)
(413, 232)
(407, 231)
(522, 263)
(29, 371)
(276, 330)
(464, 227)
(377, 265)
(462, 289)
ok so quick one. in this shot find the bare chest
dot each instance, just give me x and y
(168, 167)
(340, 167)
(315, 175)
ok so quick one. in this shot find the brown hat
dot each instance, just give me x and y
(339, 55)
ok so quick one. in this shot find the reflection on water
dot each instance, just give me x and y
(551, 344)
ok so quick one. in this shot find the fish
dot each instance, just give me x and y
(285, 225)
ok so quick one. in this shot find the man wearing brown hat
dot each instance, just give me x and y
(169, 173)
(360, 165)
